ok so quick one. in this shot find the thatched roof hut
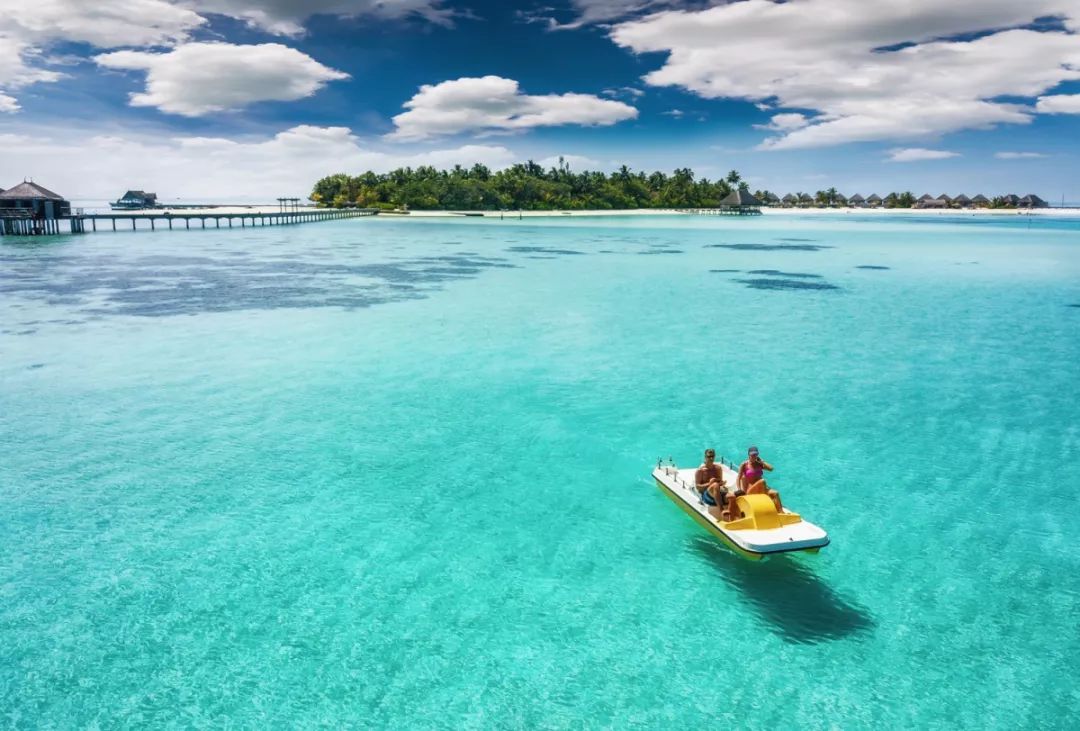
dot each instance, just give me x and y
(790, 199)
(980, 200)
(856, 200)
(925, 197)
(874, 199)
(1032, 201)
(36, 198)
(962, 200)
(945, 197)
(740, 198)
(1012, 199)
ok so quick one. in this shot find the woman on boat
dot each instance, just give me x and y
(752, 477)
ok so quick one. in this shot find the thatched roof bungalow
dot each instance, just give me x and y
(925, 197)
(789, 200)
(805, 200)
(932, 203)
(35, 200)
(962, 201)
(1012, 199)
(741, 200)
(857, 200)
(980, 201)
(874, 201)
(1032, 201)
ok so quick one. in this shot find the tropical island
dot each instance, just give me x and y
(529, 186)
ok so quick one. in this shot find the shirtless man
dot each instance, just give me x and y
(752, 477)
(709, 481)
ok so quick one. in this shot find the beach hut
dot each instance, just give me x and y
(840, 200)
(805, 200)
(772, 199)
(980, 201)
(1032, 201)
(857, 201)
(931, 203)
(1011, 199)
(874, 201)
(925, 197)
(962, 201)
(789, 200)
(945, 197)
(741, 201)
(30, 208)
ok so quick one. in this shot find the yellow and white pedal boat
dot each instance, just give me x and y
(761, 532)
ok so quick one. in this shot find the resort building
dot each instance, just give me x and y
(1032, 201)
(874, 201)
(135, 199)
(931, 203)
(30, 208)
(924, 198)
(962, 201)
(789, 200)
(1011, 199)
(740, 201)
(980, 201)
(805, 200)
(857, 201)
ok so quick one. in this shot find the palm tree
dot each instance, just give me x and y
(733, 177)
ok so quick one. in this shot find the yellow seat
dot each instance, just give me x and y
(759, 513)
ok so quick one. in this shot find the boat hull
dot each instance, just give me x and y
(794, 536)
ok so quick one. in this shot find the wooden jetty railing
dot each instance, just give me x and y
(25, 225)
(725, 211)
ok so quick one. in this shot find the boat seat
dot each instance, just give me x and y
(759, 513)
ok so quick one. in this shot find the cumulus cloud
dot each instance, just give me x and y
(492, 104)
(917, 154)
(785, 122)
(8, 104)
(891, 69)
(1059, 104)
(1018, 155)
(199, 78)
(214, 168)
(287, 17)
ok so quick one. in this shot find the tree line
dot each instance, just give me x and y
(524, 186)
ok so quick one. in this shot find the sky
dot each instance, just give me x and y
(230, 100)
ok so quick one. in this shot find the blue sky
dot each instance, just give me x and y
(249, 99)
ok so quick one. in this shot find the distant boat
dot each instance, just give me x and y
(135, 200)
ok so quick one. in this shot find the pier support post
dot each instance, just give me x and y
(152, 227)
(114, 224)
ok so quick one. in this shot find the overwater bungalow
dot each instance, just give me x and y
(857, 201)
(134, 200)
(29, 208)
(874, 201)
(741, 201)
(962, 201)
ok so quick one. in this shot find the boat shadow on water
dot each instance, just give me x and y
(793, 599)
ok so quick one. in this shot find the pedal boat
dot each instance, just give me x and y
(761, 532)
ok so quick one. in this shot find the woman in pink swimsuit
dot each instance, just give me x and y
(752, 477)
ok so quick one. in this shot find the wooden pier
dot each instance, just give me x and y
(19, 223)
(724, 211)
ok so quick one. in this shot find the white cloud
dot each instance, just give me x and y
(8, 104)
(676, 113)
(492, 104)
(101, 23)
(199, 78)
(287, 17)
(917, 154)
(213, 168)
(786, 122)
(1059, 104)
(1018, 155)
(923, 86)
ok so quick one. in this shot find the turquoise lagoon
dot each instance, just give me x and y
(395, 474)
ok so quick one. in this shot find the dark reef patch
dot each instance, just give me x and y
(875, 267)
(786, 284)
(544, 250)
(768, 247)
(662, 251)
(790, 238)
(725, 271)
(791, 275)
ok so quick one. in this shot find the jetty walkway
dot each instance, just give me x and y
(22, 223)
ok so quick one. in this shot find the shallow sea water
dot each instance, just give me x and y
(395, 474)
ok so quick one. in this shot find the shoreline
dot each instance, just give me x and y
(507, 215)
(1055, 212)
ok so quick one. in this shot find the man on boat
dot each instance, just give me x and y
(709, 481)
(751, 477)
